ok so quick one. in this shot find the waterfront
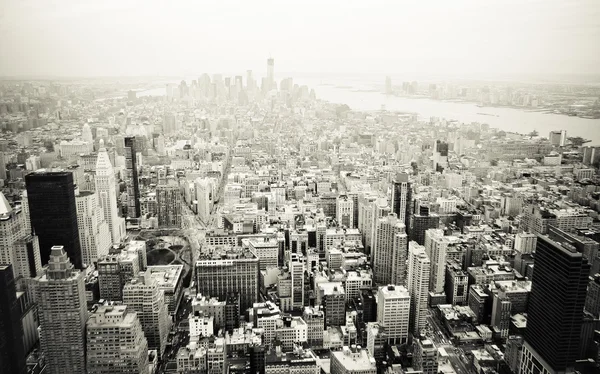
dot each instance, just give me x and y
(357, 96)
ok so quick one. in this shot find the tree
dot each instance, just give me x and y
(533, 133)
(578, 141)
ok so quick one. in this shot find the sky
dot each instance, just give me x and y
(77, 38)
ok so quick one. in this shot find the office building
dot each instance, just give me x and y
(352, 360)
(592, 300)
(389, 249)
(131, 178)
(168, 204)
(106, 188)
(425, 357)
(556, 304)
(345, 211)
(401, 198)
(62, 311)
(271, 74)
(12, 350)
(334, 303)
(221, 272)
(296, 266)
(115, 342)
(419, 268)
(422, 221)
(393, 311)
(267, 251)
(435, 247)
(53, 213)
(94, 234)
(558, 138)
(114, 271)
(143, 296)
(456, 284)
(17, 246)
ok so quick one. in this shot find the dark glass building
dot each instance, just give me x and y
(402, 197)
(12, 351)
(421, 222)
(53, 213)
(556, 302)
(132, 182)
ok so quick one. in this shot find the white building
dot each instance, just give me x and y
(94, 234)
(393, 311)
(419, 268)
(106, 187)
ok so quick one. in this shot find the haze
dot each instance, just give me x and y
(135, 37)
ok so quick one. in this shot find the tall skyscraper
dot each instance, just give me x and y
(115, 342)
(555, 313)
(53, 212)
(389, 249)
(401, 197)
(2, 166)
(94, 235)
(17, 246)
(143, 296)
(131, 180)
(106, 187)
(62, 310)
(271, 73)
(296, 266)
(419, 268)
(12, 351)
(435, 247)
(168, 204)
(393, 312)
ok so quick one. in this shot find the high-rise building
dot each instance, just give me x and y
(271, 73)
(556, 303)
(62, 310)
(114, 271)
(592, 300)
(401, 199)
(345, 211)
(296, 266)
(435, 247)
(53, 213)
(393, 312)
(17, 246)
(419, 268)
(168, 204)
(12, 351)
(115, 342)
(558, 138)
(106, 188)
(425, 357)
(219, 273)
(422, 221)
(94, 234)
(389, 250)
(2, 166)
(143, 295)
(131, 180)
(204, 197)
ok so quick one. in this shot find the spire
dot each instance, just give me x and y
(5, 208)
(103, 165)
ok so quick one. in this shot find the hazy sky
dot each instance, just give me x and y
(175, 37)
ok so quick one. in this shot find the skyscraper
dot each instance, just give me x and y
(12, 352)
(419, 268)
(62, 310)
(401, 197)
(143, 296)
(17, 246)
(2, 166)
(94, 235)
(271, 73)
(168, 204)
(53, 211)
(115, 342)
(555, 312)
(131, 180)
(296, 266)
(106, 188)
(389, 248)
(393, 311)
(435, 247)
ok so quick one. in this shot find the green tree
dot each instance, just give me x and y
(578, 141)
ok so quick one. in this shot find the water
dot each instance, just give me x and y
(507, 119)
